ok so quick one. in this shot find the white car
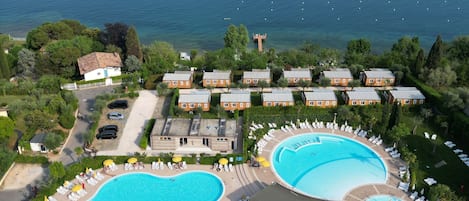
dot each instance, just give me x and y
(115, 116)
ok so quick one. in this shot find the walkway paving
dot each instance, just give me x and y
(142, 111)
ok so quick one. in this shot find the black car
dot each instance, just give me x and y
(109, 128)
(122, 104)
(107, 134)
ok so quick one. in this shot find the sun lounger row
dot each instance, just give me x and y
(414, 195)
(318, 124)
(427, 135)
(51, 198)
(422, 198)
(157, 165)
(375, 140)
(449, 144)
(272, 125)
(346, 128)
(220, 168)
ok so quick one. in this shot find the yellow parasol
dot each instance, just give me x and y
(132, 160)
(76, 188)
(177, 159)
(45, 198)
(260, 159)
(108, 162)
(265, 164)
(223, 161)
(159, 160)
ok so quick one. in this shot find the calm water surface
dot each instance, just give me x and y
(201, 24)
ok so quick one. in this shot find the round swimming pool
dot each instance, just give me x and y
(193, 185)
(326, 166)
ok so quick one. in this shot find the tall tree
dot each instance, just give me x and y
(357, 51)
(7, 127)
(441, 77)
(419, 62)
(236, 38)
(405, 50)
(26, 63)
(115, 34)
(132, 64)
(4, 67)
(435, 54)
(132, 43)
(160, 57)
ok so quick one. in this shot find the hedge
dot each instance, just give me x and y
(146, 134)
(31, 159)
(174, 98)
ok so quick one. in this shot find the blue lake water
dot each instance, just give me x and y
(190, 186)
(327, 166)
(201, 24)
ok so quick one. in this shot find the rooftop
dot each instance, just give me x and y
(278, 96)
(406, 93)
(297, 73)
(217, 75)
(379, 73)
(320, 95)
(235, 97)
(338, 73)
(194, 98)
(257, 73)
(177, 76)
(363, 94)
(98, 60)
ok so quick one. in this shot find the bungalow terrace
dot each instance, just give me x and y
(194, 100)
(338, 76)
(362, 96)
(320, 98)
(405, 96)
(216, 78)
(256, 75)
(178, 79)
(99, 65)
(296, 74)
(236, 100)
(278, 97)
(378, 77)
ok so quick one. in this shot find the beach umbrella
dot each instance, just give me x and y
(77, 188)
(177, 159)
(159, 160)
(45, 198)
(132, 160)
(108, 162)
(260, 159)
(265, 164)
(223, 161)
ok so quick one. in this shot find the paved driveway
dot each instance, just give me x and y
(142, 111)
(86, 99)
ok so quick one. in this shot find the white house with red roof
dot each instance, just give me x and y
(100, 65)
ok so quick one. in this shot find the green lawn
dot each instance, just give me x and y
(10, 98)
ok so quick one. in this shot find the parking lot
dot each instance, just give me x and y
(131, 127)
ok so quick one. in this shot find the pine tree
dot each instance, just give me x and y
(435, 54)
(419, 62)
(4, 68)
(132, 43)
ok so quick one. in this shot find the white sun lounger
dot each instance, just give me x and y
(170, 165)
(230, 166)
(389, 149)
(396, 155)
(462, 155)
(72, 198)
(414, 195)
(403, 186)
(457, 151)
(51, 198)
(426, 135)
(433, 137)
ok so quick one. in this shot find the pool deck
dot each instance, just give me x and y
(246, 181)
(360, 193)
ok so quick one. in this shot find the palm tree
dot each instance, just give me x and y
(78, 152)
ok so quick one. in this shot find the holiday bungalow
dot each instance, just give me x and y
(278, 97)
(296, 74)
(252, 78)
(361, 96)
(194, 100)
(405, 96)
(378, 77)
(100, 65)
(338, 76)
(320, 98)
(216, 78)
(178, 79)
(236, 100)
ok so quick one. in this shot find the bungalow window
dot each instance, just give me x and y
(248, 81)
(277, 104)
(354, 102)
(181, 82)
(326, 102)
(208, 81)
(214, 81)
(269, 104)
(225, 105)
(255, 81)
(175, 82)
(414, 102)
(362, 102)
(378, 80)
(295, 80)
(199, 105)
(319, 103)
(407, 101)
(248, 104)
(192, 105)
(284, 104)
(233, 104)
(336, 80)
(184, 105)
(241, 104)
(372, 80)
(311, 102)
(334, 103)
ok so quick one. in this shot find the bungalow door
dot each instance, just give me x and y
(105, 73)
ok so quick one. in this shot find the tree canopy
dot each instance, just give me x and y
(237, 38)
(132, 43)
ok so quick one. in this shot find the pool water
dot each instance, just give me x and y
(193, 186)
(383, 198)
(326, 166)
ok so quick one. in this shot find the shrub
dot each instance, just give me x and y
(146, 134)
(52, 140)
(31, 159)
(66, 121)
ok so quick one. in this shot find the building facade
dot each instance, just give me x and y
(194, 100)
(216, 79)
(323, 98)
(294, 76)
(278, 97)
(338, 76)
(235, 100)
(405, 96)
(378, 77)
(252, 78)
(100, 65)
(180, 80)
(361, 96)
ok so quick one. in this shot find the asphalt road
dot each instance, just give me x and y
(86, 98)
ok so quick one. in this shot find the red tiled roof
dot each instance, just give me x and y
(98, 60)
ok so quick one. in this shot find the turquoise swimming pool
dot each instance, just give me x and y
(326, 166)
(193, 185)
(383, 198)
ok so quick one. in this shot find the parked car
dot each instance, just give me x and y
(115, 116)
(109, 127)
(121, 104)
(107, 134)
